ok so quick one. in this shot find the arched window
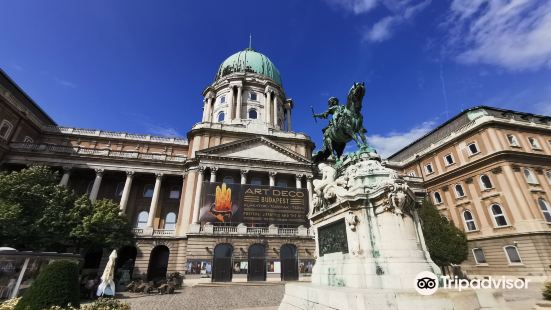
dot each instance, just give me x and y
(174, 192)
(512, 254)
(142, 219)
(544, 207)
(148, 190)
(119, 189)
(485, 182)
(437, 198)
(499, 216)
(170, 221)
(5, 129)
(470, 225)
(228, 179)
(221, 116)
(479, 256)
(253, 114)
(459, 192)
(530, 177)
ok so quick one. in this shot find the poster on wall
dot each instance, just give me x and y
(253, 204)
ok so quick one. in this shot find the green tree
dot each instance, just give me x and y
(446, 243)
(38, 214)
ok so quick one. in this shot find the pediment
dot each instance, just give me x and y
(259, 148)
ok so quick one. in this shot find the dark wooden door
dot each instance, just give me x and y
(289, 262)
(257, 263)
(222, 263)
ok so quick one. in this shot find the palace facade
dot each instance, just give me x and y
(243, 147)
(488, 171)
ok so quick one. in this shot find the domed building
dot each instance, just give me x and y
(232, 200)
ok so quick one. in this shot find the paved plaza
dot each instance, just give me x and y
(266, 296)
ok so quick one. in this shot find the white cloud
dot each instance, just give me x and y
(381, 30)
(162, 131)
(514, 34)
(65, 83)
(354, 6)
(388, 144)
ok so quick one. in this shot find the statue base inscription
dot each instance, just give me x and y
(370, 245)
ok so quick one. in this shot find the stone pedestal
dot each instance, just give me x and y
(370, 244)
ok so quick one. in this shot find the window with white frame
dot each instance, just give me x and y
(448, 159)
(473, 148)
(479, 256)
(530, 177)
(499, 216)
(170, 221)
(429, 169)
(5, 129)
(459, 192)
(485, 182)
(119, 189)
(148, 190)
(253, 114)
(223, 99)
(470, 224)
(228, 179)
(512, 254)
(142, 219)
(28, 139)
(545, 209)
(253, 96)
(534, 143)
(512, 140)
(174, 192)
(437, 198)
(221, 117)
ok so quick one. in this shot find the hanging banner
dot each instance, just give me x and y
(253, 204)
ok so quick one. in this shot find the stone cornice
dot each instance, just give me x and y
(250, 161)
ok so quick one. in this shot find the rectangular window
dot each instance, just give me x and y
(429, 169)
(222, 99)
(473, 148)
(174, 193)
(253, 96)
(534, 143)
(448, 159)
(512, 254)
(512, 140)
(479, 257)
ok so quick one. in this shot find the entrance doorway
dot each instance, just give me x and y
(124, 266)
(257, 263)
(289, 262)
(222, 263)
(158, 263)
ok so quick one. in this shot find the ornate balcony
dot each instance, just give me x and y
(241, 229)
(145, 232)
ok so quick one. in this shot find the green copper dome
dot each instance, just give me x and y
(249, 60)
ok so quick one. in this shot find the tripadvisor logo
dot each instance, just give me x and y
(426, 283)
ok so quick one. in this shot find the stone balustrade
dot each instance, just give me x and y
(241, 229)
(143, 232)
(77, 150)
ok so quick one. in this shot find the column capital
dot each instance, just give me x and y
(67, 168)
(309, 177)
(244, 171)
(272, 173)
(99, 171)
(299, 175)
(130, 173)
(201, 169)
(158, 175)
(213, 169)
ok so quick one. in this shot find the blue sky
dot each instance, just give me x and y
(140, 66)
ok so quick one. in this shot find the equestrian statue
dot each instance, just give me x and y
(346, 124)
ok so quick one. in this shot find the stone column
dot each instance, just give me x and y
(198, 188)
(66, 175)
(97, 182)
(289, 119)
(272, 178)
(268, 107)
(154, 200)
(205, 109)
(244, 176)
(239, 102)
(126, 191)
(299, 180)
(275, 111)
(213, 174)
(310, 194)
(229, 110)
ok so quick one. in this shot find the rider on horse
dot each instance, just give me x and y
(334, 109)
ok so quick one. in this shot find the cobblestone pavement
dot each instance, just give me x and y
(265, 297)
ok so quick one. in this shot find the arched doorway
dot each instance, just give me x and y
(257, 263)
(158, 263)
(222, 263)
(124, 267)
(289, 262)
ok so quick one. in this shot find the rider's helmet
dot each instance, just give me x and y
(333, 101)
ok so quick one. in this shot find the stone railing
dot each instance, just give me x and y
(241, 229)
(163, 232)
(153, 232)
(113, 134)
(77, 150)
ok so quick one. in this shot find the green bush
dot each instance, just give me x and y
(56, 285)
(107, 304)
(547, 291)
